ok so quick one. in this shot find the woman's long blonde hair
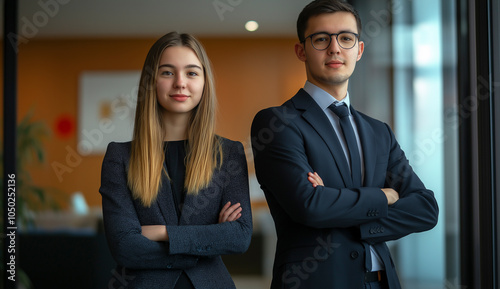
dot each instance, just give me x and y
(204, 150)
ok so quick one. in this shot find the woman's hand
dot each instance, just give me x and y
(314, 179)
(230, 213)
(159, 232)
(155, 232)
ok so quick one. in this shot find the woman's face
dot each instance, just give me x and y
(180, 80)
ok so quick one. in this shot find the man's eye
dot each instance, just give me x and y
(321, 39)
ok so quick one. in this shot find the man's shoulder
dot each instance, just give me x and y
(284, 111)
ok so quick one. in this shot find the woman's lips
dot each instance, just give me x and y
(179, 97)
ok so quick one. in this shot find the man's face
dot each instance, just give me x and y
(333, 66)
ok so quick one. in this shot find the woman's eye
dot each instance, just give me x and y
(192, 73)
(166, 72)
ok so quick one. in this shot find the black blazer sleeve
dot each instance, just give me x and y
(286, 147)
(283, 149)
(415, 211)
(122, 227)
(217, 239)
(196, 234)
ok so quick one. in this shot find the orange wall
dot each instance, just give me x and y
(250, 74)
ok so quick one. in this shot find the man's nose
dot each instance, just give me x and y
(334, 47)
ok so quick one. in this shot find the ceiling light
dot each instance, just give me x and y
(251, 26)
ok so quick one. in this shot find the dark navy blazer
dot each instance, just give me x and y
(196, 240)
(324, 232)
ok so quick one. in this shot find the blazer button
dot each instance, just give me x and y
(354, 254)
(169, 266)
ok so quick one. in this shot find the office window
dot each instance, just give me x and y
(409, 72)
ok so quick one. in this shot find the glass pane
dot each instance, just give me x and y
(412, 47)
(426, 126)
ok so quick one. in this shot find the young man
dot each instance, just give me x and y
(332, 225)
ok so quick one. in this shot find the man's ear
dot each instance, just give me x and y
(300, 51)
(361, 48)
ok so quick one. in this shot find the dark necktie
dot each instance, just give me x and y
(342, 111)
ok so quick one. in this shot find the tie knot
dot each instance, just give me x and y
(340, 110)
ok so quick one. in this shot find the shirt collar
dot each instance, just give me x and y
(323, 98)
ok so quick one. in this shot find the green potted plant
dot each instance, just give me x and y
(29, 196)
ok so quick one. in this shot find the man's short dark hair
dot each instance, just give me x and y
(318, 7)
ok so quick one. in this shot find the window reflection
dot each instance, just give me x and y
(412, 47)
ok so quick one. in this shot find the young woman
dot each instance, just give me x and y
(176, 197)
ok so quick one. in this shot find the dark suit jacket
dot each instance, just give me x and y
(196, 239)
(324, 232)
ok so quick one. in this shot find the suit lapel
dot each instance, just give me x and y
(165, 201)
(319, 121)
(191, 207)
(369, 146)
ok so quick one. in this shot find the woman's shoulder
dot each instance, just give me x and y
(232, 149)
(118, 148)
(228, 143)
(119, 145)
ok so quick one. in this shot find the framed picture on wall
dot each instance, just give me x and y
(106, 109)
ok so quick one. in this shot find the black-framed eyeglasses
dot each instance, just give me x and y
(322, 40)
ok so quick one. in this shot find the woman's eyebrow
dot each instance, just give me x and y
(187, 66)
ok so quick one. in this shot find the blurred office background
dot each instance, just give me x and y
(428, 70)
